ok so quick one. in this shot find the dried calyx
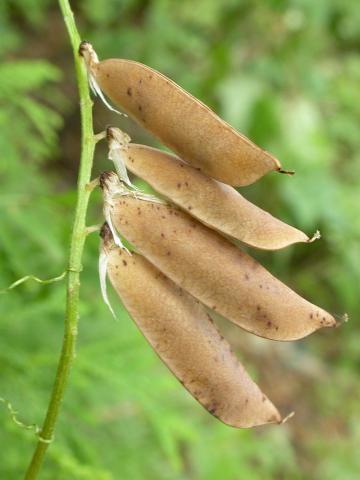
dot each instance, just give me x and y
(113, 188)
(90, 57)
(107, 244)
(118, 142)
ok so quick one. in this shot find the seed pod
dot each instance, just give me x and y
(211, 269)
(180, 121)
(215, 204)
(187, 341)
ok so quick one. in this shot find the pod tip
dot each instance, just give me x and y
(344, 318)
(286, 172)
(285, 419)
(316, 236)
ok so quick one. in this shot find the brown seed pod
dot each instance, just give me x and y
(187, 341)
(211, 269)
(215, 204)
(180, 121)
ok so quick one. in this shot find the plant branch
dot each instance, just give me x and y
(76, 250)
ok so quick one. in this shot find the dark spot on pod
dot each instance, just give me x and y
(181, 166)
(178, 185)
(150, 75)
(163, 216)
(209, 318)
(190, 207)
(246, 401)
(273, 418)
(124, 263)
(214, 307)
(168, 253)
(263, 398)
(129, 91)
(212, 408)
(140, 108)
(246, 276)
(186, 183)
(324, 318)
(260, 286)
(254, 265)
(258, 308)
(276, 327)
(163, 236)
(107, 75)
(269, 324)
(311, 315)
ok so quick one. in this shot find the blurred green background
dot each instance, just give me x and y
(287, 74)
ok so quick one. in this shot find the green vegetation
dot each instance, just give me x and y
(286, 73)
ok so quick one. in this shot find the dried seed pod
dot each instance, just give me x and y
(212, 269)
(180, 121)
(215, 204)
(187, 341)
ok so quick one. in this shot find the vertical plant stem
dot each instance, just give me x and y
(76, 250)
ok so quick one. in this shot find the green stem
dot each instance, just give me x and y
(76, 250)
